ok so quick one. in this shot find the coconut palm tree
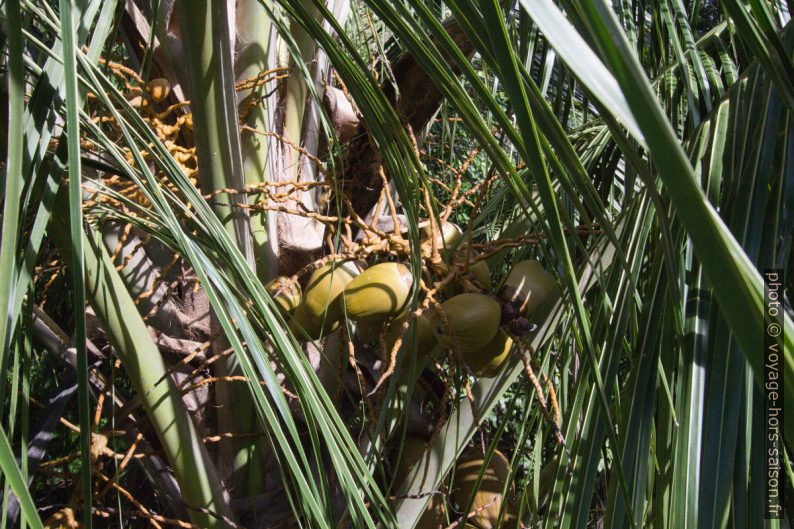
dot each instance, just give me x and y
(396, 264)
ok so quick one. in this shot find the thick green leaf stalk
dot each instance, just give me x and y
(256, 54)
(297, 90)
(212, 95)
(256, 40)
(215, 123)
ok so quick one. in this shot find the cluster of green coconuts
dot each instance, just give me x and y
(376, 299)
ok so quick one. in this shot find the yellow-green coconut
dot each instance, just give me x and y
(473, 320)
(488, 361)
(318, 313)
(425, 336)
(378, 293)
(450, 234)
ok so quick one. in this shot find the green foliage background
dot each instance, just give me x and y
(666, 125)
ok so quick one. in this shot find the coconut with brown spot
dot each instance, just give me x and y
(527, 286)
(158, 89)
(287, 294)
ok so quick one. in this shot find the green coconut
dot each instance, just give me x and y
(287, 298)
(473, 320)
(450, 234)
(425, 336)
(303, 322)
(528, 285)
(488, 361)
(489, 497)
(318, 314)
(481, 273)
(378, 293)
(477, 273)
